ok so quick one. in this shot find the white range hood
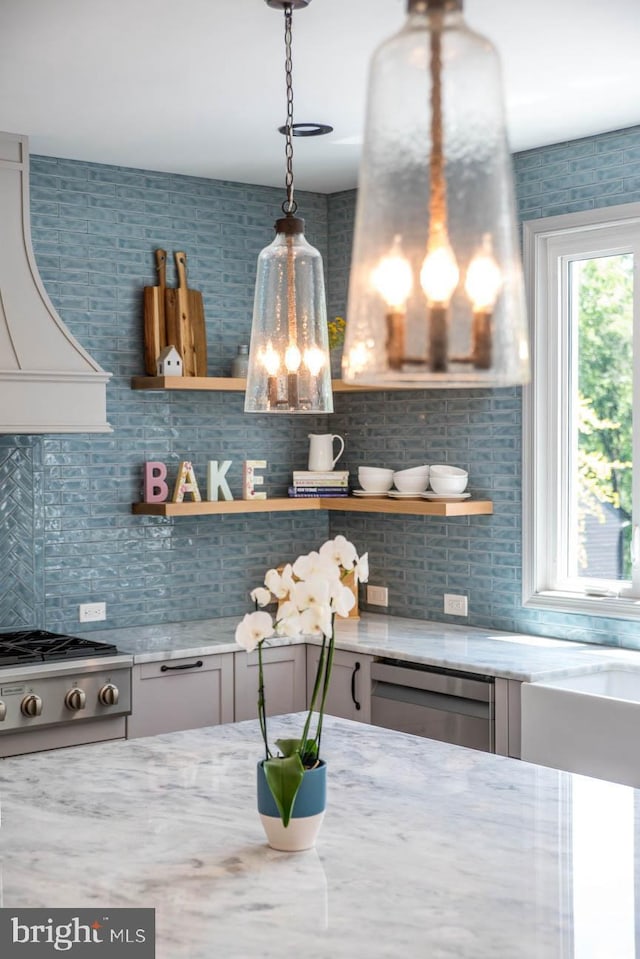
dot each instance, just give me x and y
(48, 383)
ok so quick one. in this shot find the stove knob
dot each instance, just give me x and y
(109, 695)
(3, 711)
(75, 699)
(31, 705)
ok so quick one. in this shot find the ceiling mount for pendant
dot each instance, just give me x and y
(283, 4)
(308, 129)
(289, 366)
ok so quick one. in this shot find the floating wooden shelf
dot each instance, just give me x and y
(410, 507)
(224, 384)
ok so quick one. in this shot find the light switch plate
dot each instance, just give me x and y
(378, 595)
(456, 605)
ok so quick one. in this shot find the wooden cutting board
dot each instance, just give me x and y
(184, 313)
(155, 334)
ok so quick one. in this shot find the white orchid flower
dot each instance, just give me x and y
(252, 629)
(328, 569)
(290, 625)
(340, 551)
(315, 591)
(313, 564)
(287, 577)
(304, 566)
(286, 609)
(362, 569)
(317, 619)
(343, 601)
(275, 584)
(261, 596)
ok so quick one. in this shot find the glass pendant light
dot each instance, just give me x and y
(289, 368)
(436, 296)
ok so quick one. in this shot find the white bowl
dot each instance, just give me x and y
(374, 479)
(441, 470)
(441, 483)
(407, 481)
(412, 471)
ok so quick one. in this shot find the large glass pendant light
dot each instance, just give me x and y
(289, 369)
(436, 296)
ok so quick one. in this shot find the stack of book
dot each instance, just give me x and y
(312, 483)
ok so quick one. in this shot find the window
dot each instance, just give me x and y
(581, 495)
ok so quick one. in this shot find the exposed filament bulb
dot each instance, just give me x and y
(439, 275)
(392, 277)
(484, 278)
(314, 359)
(270, 360)
(483, 284)
(292, 358)
(393, 280)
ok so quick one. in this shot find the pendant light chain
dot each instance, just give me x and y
(291, 205)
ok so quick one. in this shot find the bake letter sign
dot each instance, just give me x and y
(216, 480)
(186, 482)
(155, 490)
(250, 480)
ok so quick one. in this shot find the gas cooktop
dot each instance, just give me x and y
(39, 646)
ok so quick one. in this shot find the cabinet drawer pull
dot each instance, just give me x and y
(353, 685)
(165, 669)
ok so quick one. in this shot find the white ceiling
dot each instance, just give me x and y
(197, 86)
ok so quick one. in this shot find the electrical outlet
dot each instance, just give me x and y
(455, 605)
(92, 612)
(378, 595)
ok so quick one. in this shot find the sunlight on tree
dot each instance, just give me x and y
(605, 370)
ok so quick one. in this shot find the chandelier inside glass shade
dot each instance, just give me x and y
(436, 296)
(289, 367)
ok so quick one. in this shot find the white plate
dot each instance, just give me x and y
(454, 496)
(366, 492)
(399, 495)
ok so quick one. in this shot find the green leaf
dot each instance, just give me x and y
(310, 753)
(288, 746)
(284, 777)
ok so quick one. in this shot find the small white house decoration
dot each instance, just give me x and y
(169, 363)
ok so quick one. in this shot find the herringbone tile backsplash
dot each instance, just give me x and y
(22, 540)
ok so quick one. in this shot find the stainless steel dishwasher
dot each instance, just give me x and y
(444, 704)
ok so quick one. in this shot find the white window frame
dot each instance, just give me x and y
(548, 244)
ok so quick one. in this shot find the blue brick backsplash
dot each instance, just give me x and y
(68, 532)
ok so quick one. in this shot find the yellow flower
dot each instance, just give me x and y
(336, 331)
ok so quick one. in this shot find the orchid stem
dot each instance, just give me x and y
(262, 715)
(327, 680)
(314, 694)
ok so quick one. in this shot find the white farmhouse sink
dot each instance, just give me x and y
(587, 724)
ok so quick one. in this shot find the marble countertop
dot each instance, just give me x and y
(506, 655)
(427, 849)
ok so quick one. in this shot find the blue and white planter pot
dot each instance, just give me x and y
(306, 817)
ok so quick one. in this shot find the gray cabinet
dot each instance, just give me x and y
(284, 680)
(181, 694)
(349, 694)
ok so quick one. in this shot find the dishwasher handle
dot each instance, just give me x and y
(432, 680)
(356, 669)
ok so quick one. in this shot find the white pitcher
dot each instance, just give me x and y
(321, 456)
